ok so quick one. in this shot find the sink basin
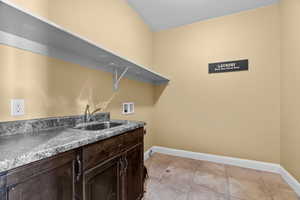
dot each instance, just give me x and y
(99, 126)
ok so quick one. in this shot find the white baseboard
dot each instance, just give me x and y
(270, 167)
(290, 180)
(147, 154)
(250, 164)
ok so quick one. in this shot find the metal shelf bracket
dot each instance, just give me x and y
(118, 78)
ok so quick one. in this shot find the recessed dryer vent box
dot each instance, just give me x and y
(128, 108)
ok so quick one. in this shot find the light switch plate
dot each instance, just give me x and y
(17, 107)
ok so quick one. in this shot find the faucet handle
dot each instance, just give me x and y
(86, 113)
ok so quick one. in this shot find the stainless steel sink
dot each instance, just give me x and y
(98, 126)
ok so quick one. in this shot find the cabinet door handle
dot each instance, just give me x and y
(121, 166)
(79, 168)
(126, 164)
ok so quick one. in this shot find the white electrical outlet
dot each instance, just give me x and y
(17, 107)
(128, 108)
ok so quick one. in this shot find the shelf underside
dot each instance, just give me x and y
(25, 31)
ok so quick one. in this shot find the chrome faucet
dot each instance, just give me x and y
(88, 115)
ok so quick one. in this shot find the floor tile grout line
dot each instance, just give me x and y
(227, 195)
(228, 184)
(207, 188)
(265, 185)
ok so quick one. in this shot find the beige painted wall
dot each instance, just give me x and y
(52, 87)
(234, 114)
(290, 84)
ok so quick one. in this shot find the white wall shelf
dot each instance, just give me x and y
(23, 30)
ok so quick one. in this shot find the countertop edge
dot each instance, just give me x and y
(30, 157)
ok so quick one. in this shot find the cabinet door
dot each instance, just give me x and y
(41, 183)
(134, 175)
(103, 182)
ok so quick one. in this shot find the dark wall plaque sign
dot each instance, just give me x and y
(238, 65)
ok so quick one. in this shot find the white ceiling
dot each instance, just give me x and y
(164, 14)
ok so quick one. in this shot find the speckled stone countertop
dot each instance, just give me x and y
(23, 148)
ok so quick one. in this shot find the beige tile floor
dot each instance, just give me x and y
(174, 178)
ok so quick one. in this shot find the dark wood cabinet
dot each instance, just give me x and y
(51, 179)
(121, 176)
(107, 170)
(134, 172)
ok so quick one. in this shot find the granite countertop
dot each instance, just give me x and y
(20, 149)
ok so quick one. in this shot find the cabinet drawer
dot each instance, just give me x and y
(96, 153)
(2, 187)
(2, 194)
(2, 180)
(133, 138)
(35, 169)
